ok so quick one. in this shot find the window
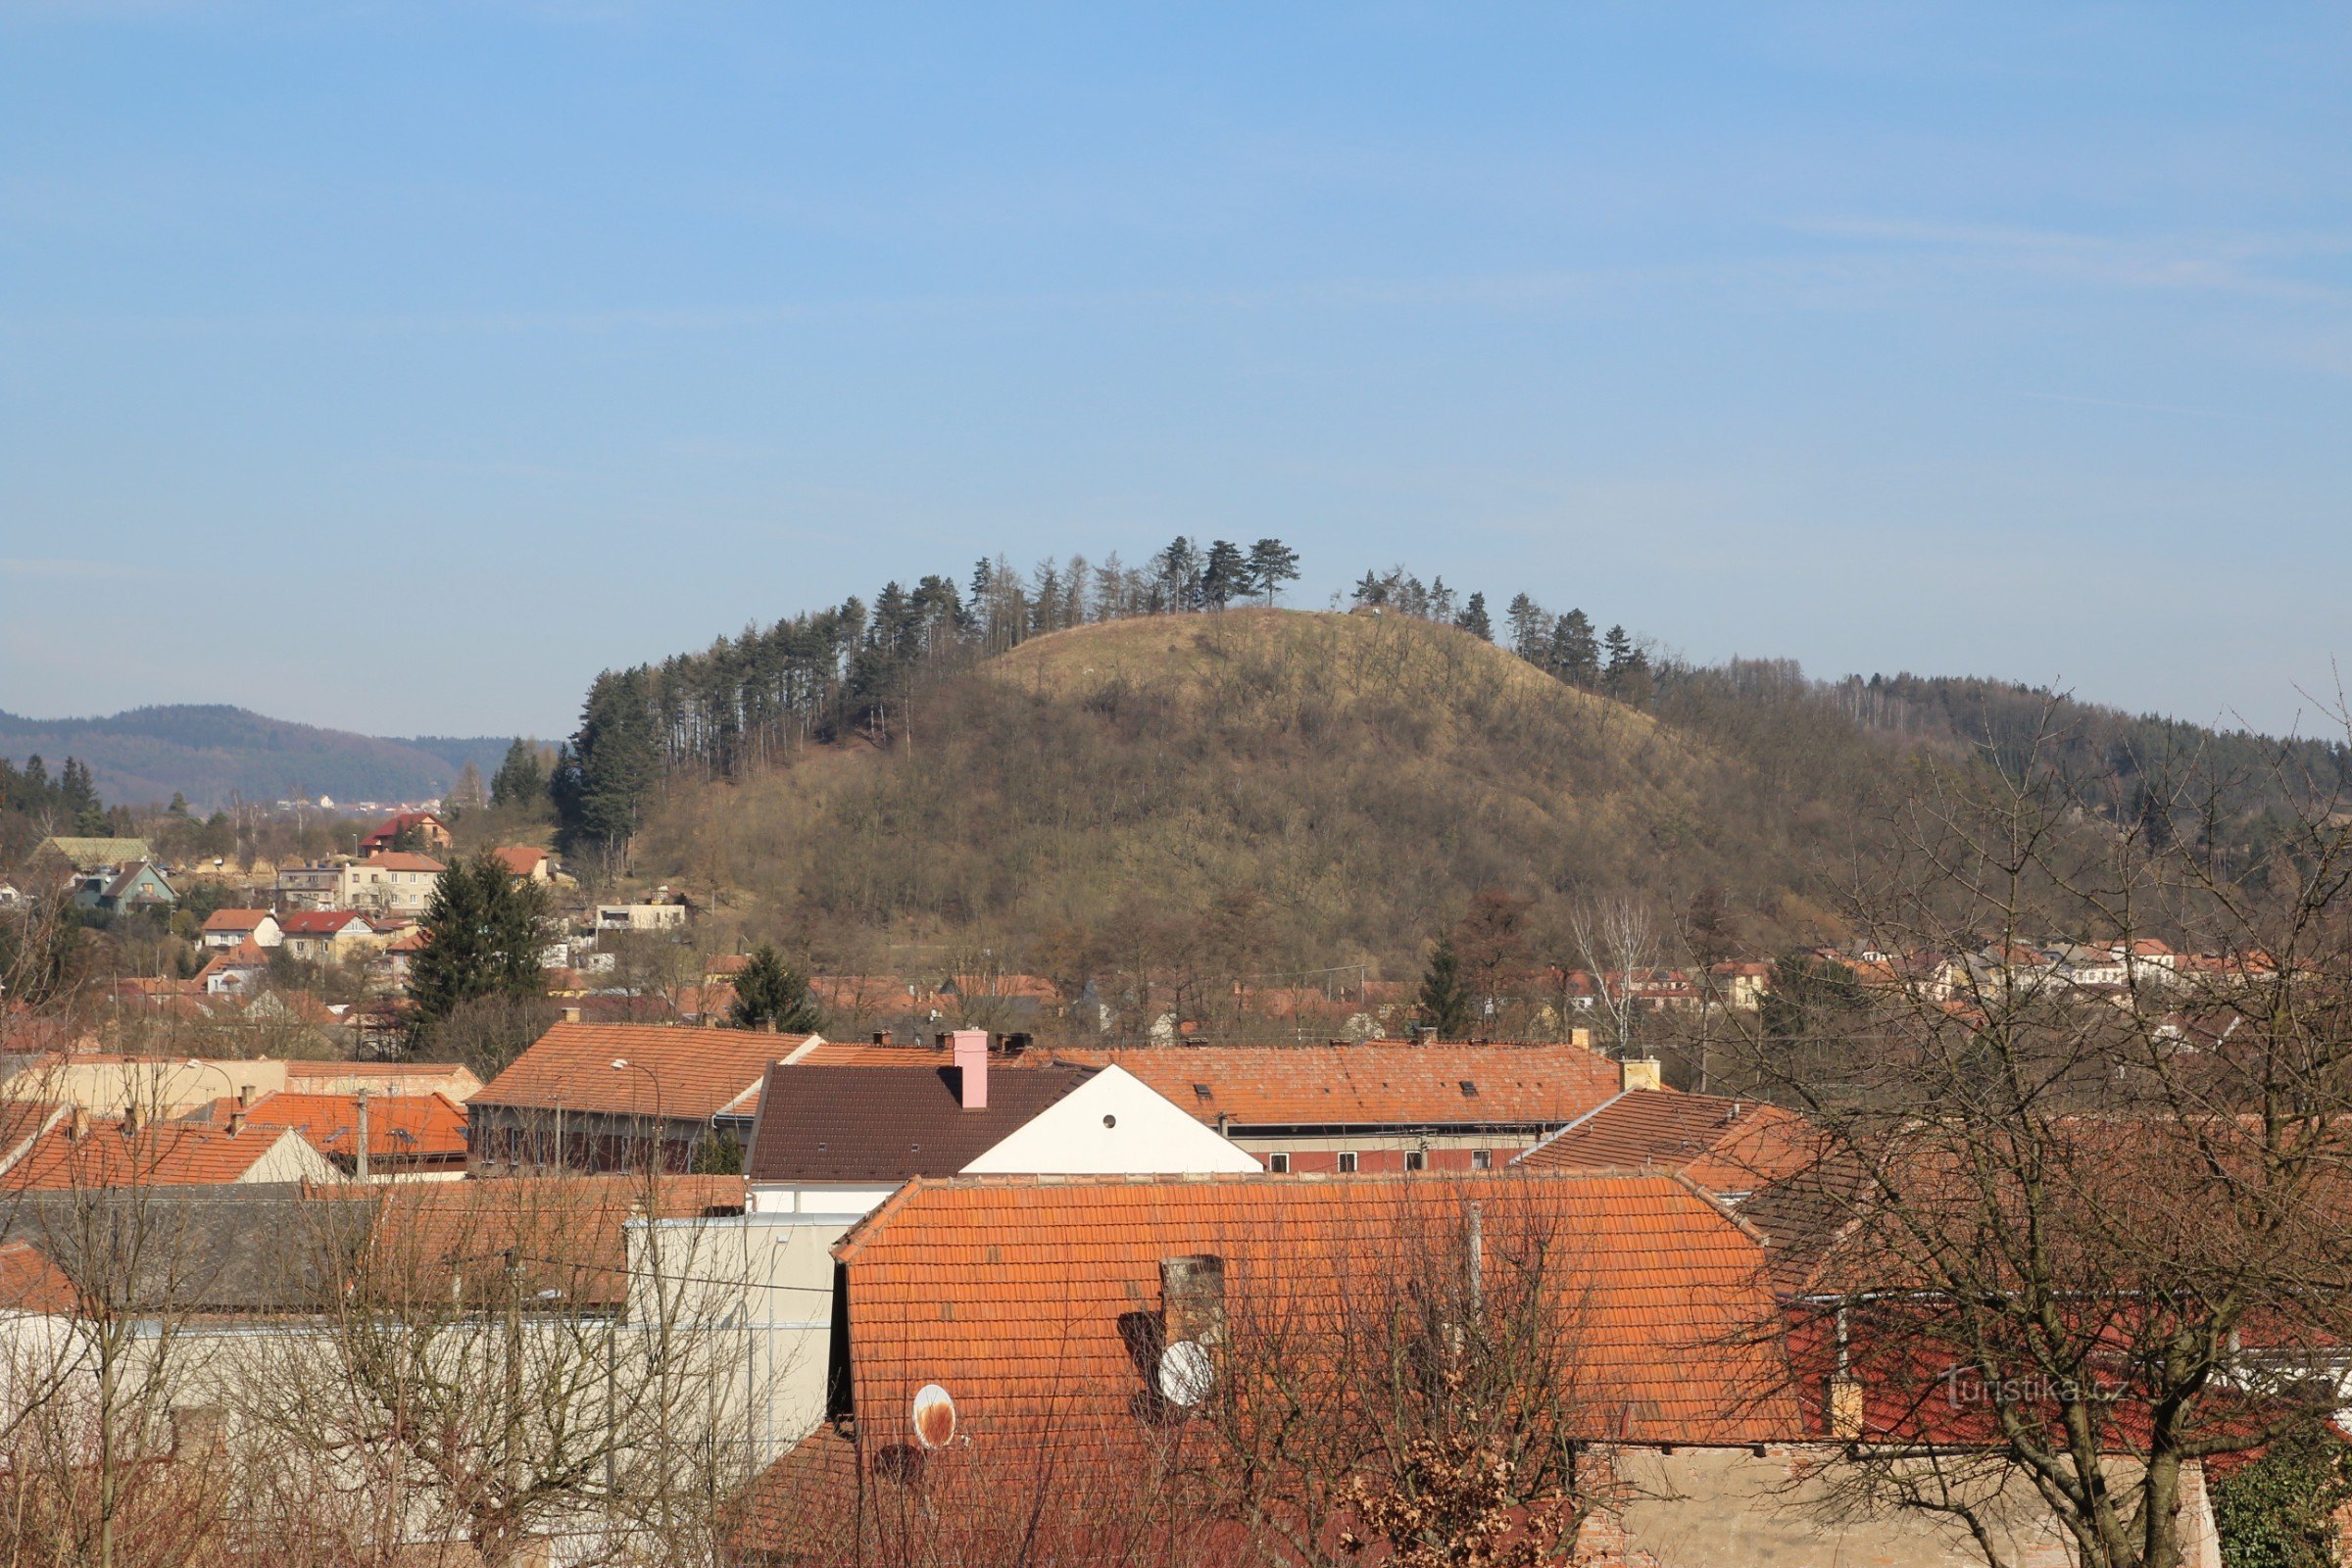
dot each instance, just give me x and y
(1348, 1162)
(1469, 1088)
(1279, 1164)
(1416, 1159)
(1203, 1093)
(1482, 1160)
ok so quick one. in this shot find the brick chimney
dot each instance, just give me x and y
(971, 1066)
(1637, 1072)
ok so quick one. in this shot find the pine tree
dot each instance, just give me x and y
(1627, 669)
(615, 761)
(518, 784)
(1224, 576)
(1445, 1000)
(1531, 629)
(1271, 564)
(484, 929)
(1574, 655)
(769, 991)
(81, 796)
(1473, 620)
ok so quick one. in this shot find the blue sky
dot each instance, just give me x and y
(399, 366)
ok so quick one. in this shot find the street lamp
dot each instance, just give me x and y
(623, 1064)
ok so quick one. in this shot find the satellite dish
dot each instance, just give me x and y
(934, 1416)
(1186, 1373)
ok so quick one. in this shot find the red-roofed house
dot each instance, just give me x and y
(429, 829)
(562, 1102)
(326, 936)
(1380, 1107)
(229, 929)
(1729, 1147)
(407, 1138)
(527, 863)
(86, 1155)
(391, 882)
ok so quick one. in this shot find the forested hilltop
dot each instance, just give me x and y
(1058, 766)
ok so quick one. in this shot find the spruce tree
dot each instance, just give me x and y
(519, 783)
(770, 991)
(1531, 629)
(1445, 1000)
(616, 762)
(1473, 620)
(484, 929)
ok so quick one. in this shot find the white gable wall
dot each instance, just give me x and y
(1148, 1135)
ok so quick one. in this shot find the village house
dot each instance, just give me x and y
(664, 911)
(326, 936)
(1382, 1107)
(606, 1096)
(527, 863)
(229, 929)
(839, 1140)
(58, 858)
(1732, 1148)
(425, 828)
(367, 1136)
(82, 1152)
(392, 882)
(124, 889)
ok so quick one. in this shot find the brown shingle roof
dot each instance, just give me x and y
(890, 1123)
(701, 1072)
(1018, 1296)
(320, 922)
(1726, 1145)
(235, 919)
(1384, 1085)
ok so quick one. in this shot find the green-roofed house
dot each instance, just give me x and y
(124, 889)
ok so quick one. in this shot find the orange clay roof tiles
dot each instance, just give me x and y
(700, 1072)
(1373, 1085)
(30, 1283)
(399, 1126)
(168, 1155)
(1726, 1145)
(1023, 1296)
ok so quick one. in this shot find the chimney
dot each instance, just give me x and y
(1846, 1408)
(571, 1015)
(1637, 1072)
(1581, 1037)
(881, 1037)
(236, 1121)
(131, 1119)
(244, 1097)
(971, 1066)
(1192, 1299)
(1424, 1033)
(80, 1127)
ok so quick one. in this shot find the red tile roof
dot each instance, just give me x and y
(1382, 1084)
(1726, 1145)
(400, 1127)
(320, 922)
(235, 919)
(30, 1283)
(168, 1154)
(701, 1071)
(24, 1120)
(519, 858)
(1020, 1296)
(403, 860)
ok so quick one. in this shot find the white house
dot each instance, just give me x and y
(839, 1140)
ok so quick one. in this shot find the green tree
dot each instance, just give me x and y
(615, 762)
(519, 782)
(2279, 1511)
(1574, 653)
(1445, 1000)
(1473, 620)
(1271, 564)
(484, 929)
(770, 991)
(1225, 576)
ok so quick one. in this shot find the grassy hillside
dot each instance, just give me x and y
(208, 752)
(1299, 789)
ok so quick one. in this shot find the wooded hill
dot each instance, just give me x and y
(1269, 792)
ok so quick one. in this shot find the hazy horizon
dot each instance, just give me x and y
(396, 371)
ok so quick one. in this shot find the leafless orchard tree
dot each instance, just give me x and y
(2077, 1229)
(1614, 941)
